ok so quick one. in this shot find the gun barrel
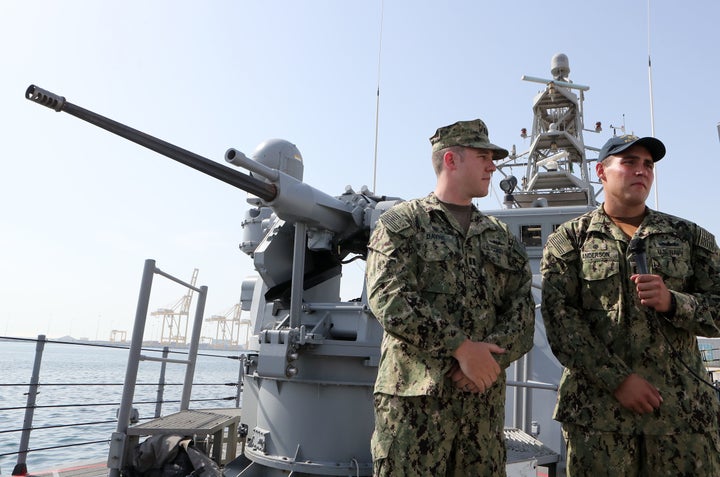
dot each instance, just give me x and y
(250, 184)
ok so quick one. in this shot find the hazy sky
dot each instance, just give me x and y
(83, 209)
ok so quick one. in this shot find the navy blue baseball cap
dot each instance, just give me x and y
(618, 144)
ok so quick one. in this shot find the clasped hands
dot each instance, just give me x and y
(476, 368)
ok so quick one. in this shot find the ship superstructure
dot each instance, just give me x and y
(555, 185)
(312, 360)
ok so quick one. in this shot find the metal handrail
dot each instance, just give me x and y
(30, 426)
(127, 402)
(120, 439)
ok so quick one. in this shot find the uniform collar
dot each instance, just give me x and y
(479, 222)
(602, 223)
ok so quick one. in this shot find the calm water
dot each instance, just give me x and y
(84, 375)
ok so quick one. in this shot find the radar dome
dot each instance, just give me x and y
(560, 66)
(281, 155)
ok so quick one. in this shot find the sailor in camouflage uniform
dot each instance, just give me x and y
(451, 288)
(635, 398)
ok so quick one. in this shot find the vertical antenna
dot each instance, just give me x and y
(652, 112)
(377, 100)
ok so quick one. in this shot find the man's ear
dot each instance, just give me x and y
(600, 170)
(450, 160)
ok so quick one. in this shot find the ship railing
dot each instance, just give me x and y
(710, 355)
(56, 391)
(213, 427)
(532, 385)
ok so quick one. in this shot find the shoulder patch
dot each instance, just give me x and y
(705, 239)
(394, 221)
(559, 244)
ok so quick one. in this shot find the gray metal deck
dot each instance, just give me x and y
(520, 445)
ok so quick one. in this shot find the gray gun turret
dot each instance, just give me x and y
(307, 387)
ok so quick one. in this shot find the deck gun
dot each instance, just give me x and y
(309, 374)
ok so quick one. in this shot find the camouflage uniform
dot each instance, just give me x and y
(601, 333)
(432, 287)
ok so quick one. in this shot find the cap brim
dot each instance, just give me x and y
(498, 152)
(654, 146)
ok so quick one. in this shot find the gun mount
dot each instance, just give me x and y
(309, 375)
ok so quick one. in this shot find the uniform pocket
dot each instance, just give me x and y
(498, 257)
(385, 427)
(436, 265)
(672, 262)
(600, 284)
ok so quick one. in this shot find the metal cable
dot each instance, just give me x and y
(56, 406)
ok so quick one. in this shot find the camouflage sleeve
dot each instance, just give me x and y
(393, 292)
(698, 308)
(516, 313)
(568, 326)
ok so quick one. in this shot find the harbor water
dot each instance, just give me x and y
(79, 395)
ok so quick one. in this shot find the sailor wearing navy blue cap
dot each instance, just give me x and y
(626, 290)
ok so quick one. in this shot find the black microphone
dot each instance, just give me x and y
(637, 248)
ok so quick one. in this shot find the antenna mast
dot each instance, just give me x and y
(652, 109)
(377, 100)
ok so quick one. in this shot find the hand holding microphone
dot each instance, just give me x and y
(651, 289)
(637, 248)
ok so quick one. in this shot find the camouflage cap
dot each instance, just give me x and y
(618, 144)
(471, 133)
